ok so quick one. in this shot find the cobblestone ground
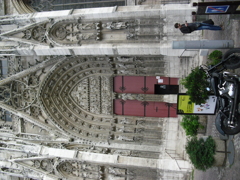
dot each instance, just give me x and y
(231, 25)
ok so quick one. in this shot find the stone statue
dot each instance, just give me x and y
(116, 171)
(86, 26)
(125, 59)
(126, 121)
(116, 25)
(131, 36)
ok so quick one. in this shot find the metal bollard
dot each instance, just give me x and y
(203, 44)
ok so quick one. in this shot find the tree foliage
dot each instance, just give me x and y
(201, 153)
(190, 124)
(215, 57)
(196, 84)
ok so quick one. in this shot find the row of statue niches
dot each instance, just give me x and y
(124, 121)
(90, 122)
(133, 137)
(116, 133)
(81, 169)
(85, 31)
(99, 25)
(116, 25)
(113, 25)
(91, 171)
(114, 61)
(120, 129)
(62, 30)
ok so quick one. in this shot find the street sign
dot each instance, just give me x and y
(217, 9)
(185, 106)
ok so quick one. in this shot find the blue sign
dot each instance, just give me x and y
(217, 9)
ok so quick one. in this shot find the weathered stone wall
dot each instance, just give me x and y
(60, 91)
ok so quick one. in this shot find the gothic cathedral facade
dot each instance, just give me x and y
(91, 93)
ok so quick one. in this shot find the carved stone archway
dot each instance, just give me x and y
(77, 95)
(22, 6)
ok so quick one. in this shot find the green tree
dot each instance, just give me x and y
(215, 57)
(190, 124)
(201, 153)
(196, 84)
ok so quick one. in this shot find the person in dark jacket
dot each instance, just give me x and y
(190, 27)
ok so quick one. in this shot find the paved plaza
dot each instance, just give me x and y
(231, 32)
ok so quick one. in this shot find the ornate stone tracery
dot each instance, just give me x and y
(63, 111)
(72, 99)
(78, 96)
(19, 94)
(37, 33)
(75, 32)
(62, 93)
(77, 169)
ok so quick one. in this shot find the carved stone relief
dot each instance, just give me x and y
(116, 25)
(75, 32)
(77, 96)
(37, 33)
(73, 169)
(78, 93)
(83, 170)
(80, 90)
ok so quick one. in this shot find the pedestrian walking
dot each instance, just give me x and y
(190, 27)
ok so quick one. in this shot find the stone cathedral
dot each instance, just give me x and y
(91, 93)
